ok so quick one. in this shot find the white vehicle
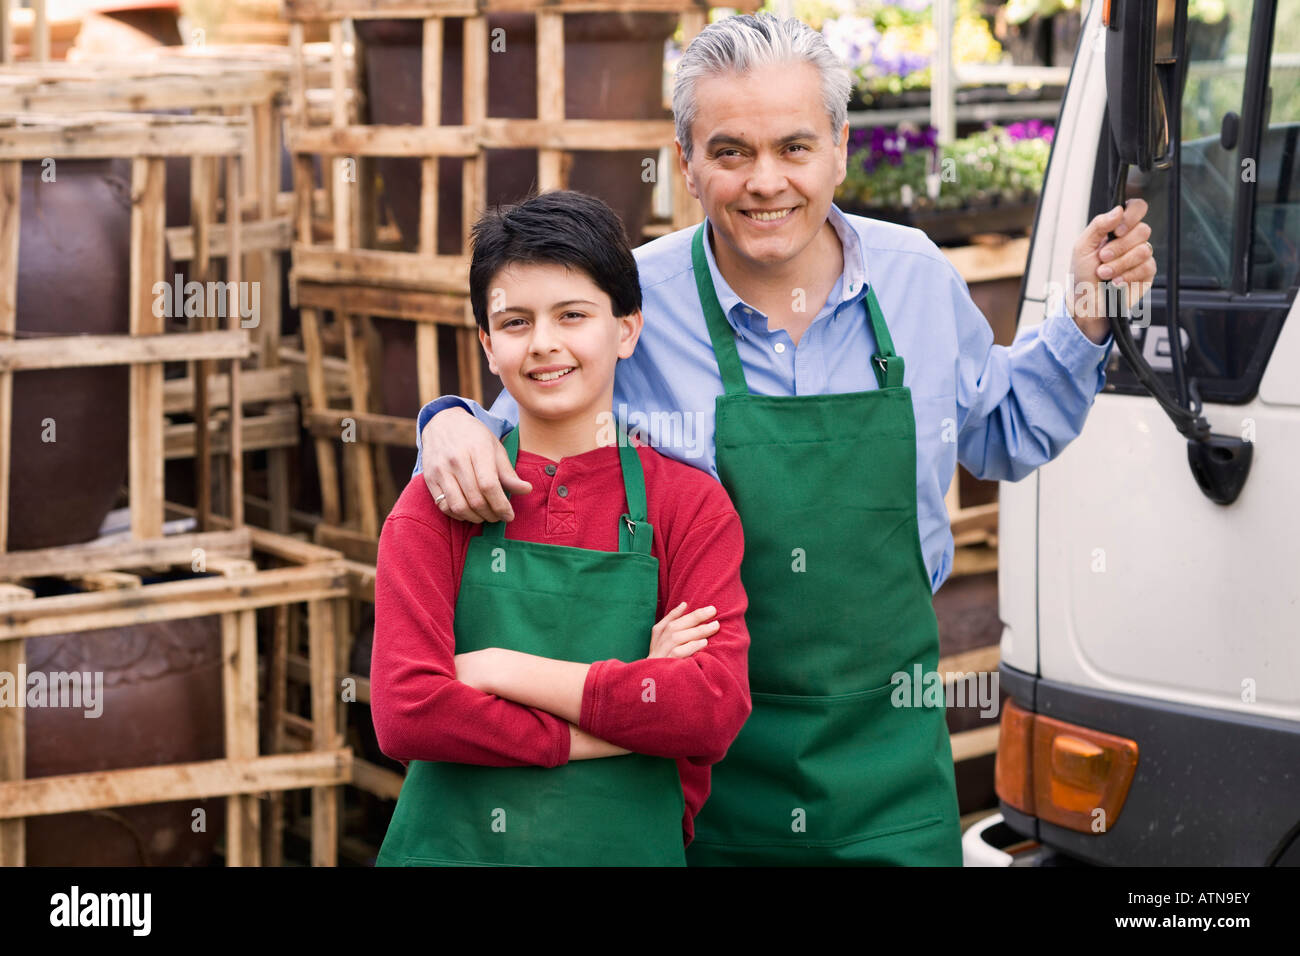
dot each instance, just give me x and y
(1149, 579)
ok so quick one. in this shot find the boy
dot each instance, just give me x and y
(545, 717)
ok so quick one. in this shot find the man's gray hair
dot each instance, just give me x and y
(738, 44)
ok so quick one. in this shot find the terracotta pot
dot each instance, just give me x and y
(73, 277)
(161, 704)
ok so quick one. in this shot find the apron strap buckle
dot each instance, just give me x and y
(890, 370)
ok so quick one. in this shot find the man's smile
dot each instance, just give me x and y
(768, 215)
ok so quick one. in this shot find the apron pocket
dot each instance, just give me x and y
(831, 771)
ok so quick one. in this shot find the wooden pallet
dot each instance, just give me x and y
(339, 270)
(206, 82)
(234, 587)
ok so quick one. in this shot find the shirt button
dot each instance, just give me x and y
(748, 311)
(562, 491)
(550, 469)
(779, 347)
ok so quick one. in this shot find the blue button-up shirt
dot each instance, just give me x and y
(1000, 410)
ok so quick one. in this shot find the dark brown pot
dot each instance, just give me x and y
(73, 277)
(162, 704)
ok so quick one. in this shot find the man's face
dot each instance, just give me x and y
(764, 167)
(554, 340)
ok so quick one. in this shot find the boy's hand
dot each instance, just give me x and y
(464, 462)
(681, 635)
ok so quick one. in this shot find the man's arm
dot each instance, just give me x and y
(466, 469)
(502, 417)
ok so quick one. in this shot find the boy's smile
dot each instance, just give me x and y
(554, 340)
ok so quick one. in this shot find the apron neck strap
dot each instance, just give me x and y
(887, 366)
(634, 532)
(885, 363)
(720, 331)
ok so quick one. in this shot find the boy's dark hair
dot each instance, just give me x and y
(563, 227)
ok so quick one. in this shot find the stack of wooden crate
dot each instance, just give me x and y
(231, 583)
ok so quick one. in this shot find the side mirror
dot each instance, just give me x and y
(1139, 34)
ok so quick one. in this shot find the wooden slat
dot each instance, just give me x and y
(598, 135)
(384, 141)
(550, 96)
(374, 267)
(51, 92)
(11, 182)
(276, 429)
(984, 263)
(105, 580)
(352, 543)
(325, 736)
(686, 209)
(98, 139)
(196, 597)
(115, 555)
(969, 744)
(431, 102)
(326, 468)
(75, 351)
(299, 669)
(234, 272)
(361, 581)
(976, 518)
(357, 453)
(371, 427)
(257, 385)
(6, 31)
(474, 83)
(428, 377)
(239, 693)
(13, 738)
(442, 308)
(968, 662)
(268, 234)
(375, 779)
(72, 793)
(147, 257)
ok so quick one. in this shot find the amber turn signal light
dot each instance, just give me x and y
(1063, 773)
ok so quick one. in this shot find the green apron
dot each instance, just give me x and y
(569, 604)
(826, 770)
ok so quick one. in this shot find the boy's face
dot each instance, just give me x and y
(554, 340)
(764, 167)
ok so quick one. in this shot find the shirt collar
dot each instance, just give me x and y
(851, 284)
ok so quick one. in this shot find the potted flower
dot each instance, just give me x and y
(986, 182)
(889, 44)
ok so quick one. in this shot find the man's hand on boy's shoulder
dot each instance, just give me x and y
(467, 470)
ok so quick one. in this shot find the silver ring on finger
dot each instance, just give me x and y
(438, 500)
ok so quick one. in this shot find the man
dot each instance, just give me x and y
(773, 356)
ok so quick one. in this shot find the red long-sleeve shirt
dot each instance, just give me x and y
(421, 712)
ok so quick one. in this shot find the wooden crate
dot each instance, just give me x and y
(206, 82)
(337, 269)
(235, 587)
